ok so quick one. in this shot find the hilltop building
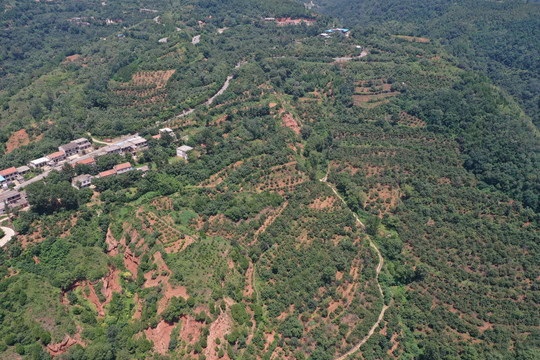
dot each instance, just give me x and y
(182, 151)
(81, 181)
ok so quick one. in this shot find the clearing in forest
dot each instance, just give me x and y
(289, 122)
(409, 120)
(145, 87)
(371, 93)
(16, 140)
(412, 38)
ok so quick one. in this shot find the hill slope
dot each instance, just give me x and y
(241, 252)
(497, 38)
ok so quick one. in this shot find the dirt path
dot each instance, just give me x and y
(98, 141)
(356, 347)
(207, 102)
(349, 58)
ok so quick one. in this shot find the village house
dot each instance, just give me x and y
(167, 131)
(39, 163)
(82, 181)
(144, 169)
(87, 161)
(9, 174)
(82, 144)
(112, 149)
(56, 158)
(182, 151)
(127, 147)
(289, 21)
(139, 142)
(69, 149)
(23, 170)
(11, 199)
(106, 173)
(122, 168)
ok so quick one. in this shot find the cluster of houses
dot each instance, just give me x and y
(330, 32)
(85, 180)
(77, 152)
(76, 147)
(131, 145)
(289, 21)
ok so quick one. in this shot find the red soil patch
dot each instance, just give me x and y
(72, 58)
(164, 279)
(272, 104)
(269, 339)
(179, 245)
(110, 285)
(161, 336)
(112, 248)
(219, 120)
(248, 291)
(218, 177)
(63, 346)
(269, 220)
(191, 329)
(291, 123)
(218, 329)
(394, 343)
(131, 262)
(16, 140)
(320, 204)
(138, 305)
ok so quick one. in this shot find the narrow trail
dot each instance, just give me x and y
(385, 307)
(210, 100)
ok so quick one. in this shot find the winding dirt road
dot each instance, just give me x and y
(356, 347)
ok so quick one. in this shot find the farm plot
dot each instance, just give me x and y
(409, 120)
(145, 88)
(371, 93)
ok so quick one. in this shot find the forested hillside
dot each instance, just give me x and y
(497, 38)
(358, 195)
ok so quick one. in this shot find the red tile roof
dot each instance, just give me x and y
(8, 171)
(56, 155)
(86, 161)
(122, 166)
(107, 173)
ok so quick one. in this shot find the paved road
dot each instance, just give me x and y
(347, 58)
(9, 233)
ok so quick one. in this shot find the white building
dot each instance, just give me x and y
(39, 163)
(83, 181)
(182, 151)
(167, 131)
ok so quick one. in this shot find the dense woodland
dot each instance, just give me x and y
(241, 252)
(496, 38)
